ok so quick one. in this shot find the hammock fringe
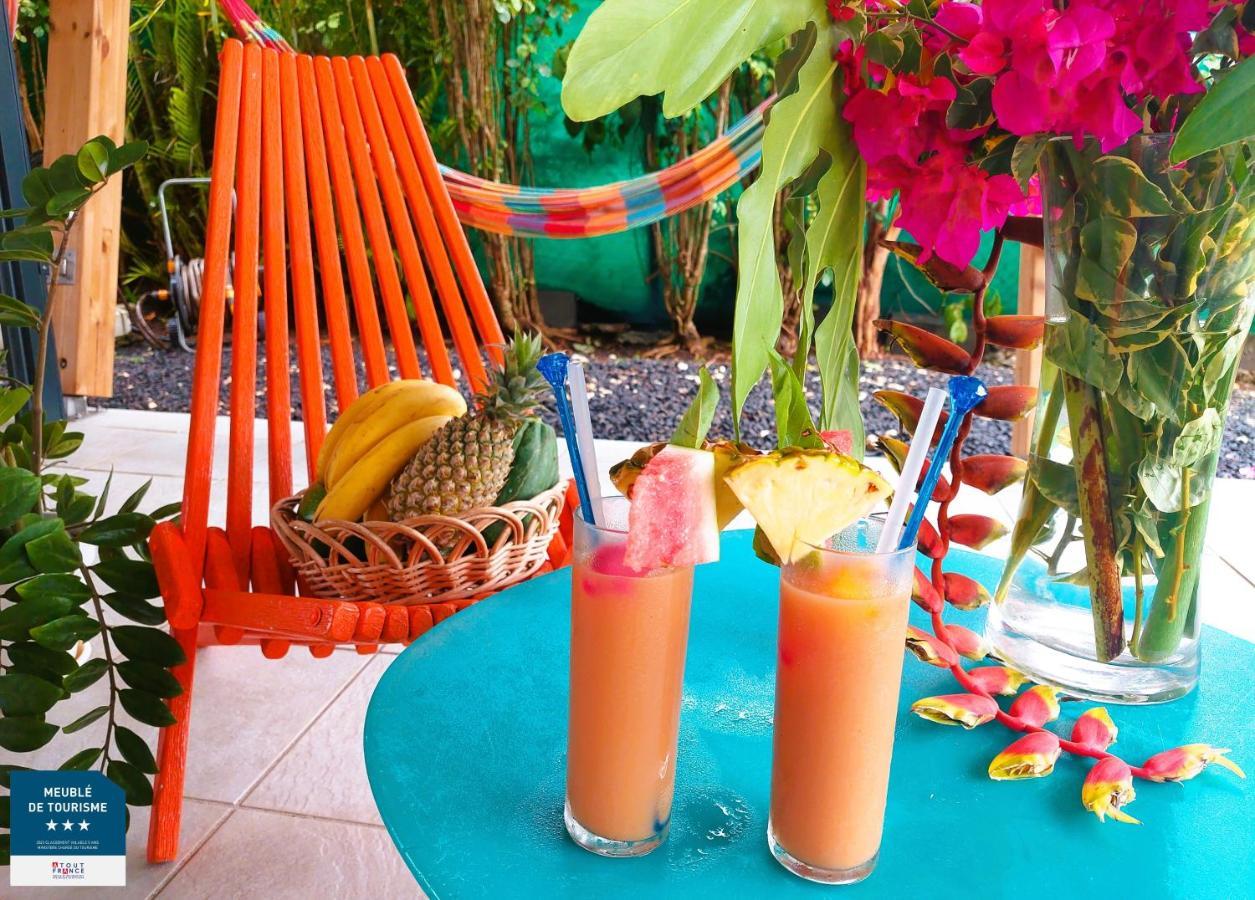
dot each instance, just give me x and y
(577, 212)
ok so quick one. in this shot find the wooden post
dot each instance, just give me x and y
(86, 97)
(1032, 302)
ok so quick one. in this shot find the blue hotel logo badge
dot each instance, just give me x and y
(68, 829)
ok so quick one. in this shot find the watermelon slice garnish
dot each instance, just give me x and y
(838, 440)
(673, 521)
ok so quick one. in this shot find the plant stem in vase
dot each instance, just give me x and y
(1151, 268)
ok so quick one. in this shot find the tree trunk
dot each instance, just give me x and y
(494, 135)
(681, 243)
(791, 315)
(867, 301)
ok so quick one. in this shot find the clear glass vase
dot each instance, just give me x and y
(1150, 273)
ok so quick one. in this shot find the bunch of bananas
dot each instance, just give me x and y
(377, 435)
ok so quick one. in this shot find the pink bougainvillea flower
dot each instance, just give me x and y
(1094, 729)
(1108, 787)
(1100, 111)
(1150, 49)
(1246, 42)
(930, 650)
(997, 679)
(1076, 42)
(1068, 71)
(1032, 756)
(1011, 16)
(1183, 763)
(967, 642)
(838, 11)
(1031, 204)
(968, 710)
(1157, 63)
(890, 123)
(949, 203)
(1021, 104)
(986, 54)
(957, 19)
(1036, 706)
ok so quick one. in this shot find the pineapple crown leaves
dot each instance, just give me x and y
(515, 386)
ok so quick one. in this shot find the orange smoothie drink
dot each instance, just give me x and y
(629, 632)
(843, 616)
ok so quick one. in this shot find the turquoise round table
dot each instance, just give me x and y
(465, 748)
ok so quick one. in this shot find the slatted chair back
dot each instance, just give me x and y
(341, 207)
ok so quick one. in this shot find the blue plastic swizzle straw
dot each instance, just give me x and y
(553, 368)
(965, 393)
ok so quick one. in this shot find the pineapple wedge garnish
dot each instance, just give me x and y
(803, 497)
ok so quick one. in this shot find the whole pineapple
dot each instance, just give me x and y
(466, 462)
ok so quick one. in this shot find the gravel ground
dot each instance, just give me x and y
(642, 399)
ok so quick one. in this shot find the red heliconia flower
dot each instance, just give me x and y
(1032, 756)
(1095, 729)
(964, 593)
(924, 594)
(967, 642)
(929, 649)
(997, 679)
(968, 710)
(1036, 706)
(1107, 787)
(1183, 763)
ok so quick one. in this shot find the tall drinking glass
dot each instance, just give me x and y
(843, 614)
(629, 632)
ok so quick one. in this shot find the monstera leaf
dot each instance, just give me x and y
(682, 49)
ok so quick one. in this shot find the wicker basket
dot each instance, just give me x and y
(427, 559)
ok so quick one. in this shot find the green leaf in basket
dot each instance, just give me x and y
(310, 499)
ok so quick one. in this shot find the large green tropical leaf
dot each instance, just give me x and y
(683, 49)
(1222, 117)
(799, 127)
(835, 242)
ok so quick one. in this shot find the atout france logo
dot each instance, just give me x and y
(68, 871)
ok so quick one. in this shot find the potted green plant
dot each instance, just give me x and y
(75, 576)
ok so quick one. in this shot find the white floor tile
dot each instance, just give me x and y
(324, 774)
(248, 710)
(257, 853)
(154, 443)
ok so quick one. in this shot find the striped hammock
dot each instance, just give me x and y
(577, 212)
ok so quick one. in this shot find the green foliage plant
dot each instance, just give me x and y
(685, 51)
(65, 557)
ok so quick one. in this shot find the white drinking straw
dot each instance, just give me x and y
(914, 464)
(584, 438)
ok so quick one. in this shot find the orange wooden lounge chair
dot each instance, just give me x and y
(333, 174)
